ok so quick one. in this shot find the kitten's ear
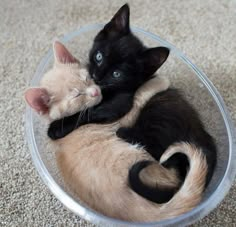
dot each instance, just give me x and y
(119, 24)
(120, 21)
(153, 58)
(38, 99)
(62, 55)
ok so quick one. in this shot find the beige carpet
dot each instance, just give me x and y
(204, 30)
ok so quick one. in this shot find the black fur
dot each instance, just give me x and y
(166, 118)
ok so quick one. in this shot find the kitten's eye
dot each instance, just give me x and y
(116, 74)
(78, 95)
(75, 93)
(98, 57)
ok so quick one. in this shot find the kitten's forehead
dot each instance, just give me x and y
(123, 47)
(64, 76)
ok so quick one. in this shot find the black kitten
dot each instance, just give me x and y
(168, 118)
(120, 64)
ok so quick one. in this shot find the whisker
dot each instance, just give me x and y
(88, 114)
(79, 117)
(82, 113)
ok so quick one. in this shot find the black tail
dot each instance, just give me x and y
(157, 194)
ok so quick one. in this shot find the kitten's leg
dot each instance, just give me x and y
(60, 128)
(106, 112)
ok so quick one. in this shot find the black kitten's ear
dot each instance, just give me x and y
(119, 24)
(153, 58)
(120, 21)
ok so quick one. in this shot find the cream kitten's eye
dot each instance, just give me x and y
(77, 93)
(98, 57)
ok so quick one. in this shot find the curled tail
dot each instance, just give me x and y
(156, 183)
(153, 181)
(190, 193)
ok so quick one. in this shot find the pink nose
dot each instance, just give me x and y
(94, 92)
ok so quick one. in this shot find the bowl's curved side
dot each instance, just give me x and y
(200, 211)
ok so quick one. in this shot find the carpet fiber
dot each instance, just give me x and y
(204, 30)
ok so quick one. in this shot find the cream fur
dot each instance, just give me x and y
(94, 162)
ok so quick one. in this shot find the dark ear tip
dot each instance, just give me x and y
(164, 53)
(164, 50)
(125, 9)
(125, 6)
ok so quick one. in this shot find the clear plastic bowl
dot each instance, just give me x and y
(198, 90)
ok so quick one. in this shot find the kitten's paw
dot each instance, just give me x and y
(126, 134)
(55, 131)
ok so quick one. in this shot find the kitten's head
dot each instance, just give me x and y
(65, 89)
(118, 61)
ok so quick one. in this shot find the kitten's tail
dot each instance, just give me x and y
(159, 184)
(153, 181)
(191, 191)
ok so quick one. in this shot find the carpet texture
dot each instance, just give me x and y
(204, 30)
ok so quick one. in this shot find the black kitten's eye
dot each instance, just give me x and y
(98, 57)
(116, 74)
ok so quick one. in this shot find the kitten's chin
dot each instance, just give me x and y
(97, 100)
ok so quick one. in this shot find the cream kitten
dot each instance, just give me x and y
(95, 163)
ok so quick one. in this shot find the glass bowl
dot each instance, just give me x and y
(197, 88)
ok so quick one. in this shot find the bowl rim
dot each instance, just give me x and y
(190, 217)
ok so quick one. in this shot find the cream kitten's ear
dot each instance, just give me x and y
(38, 99)
(62, 55)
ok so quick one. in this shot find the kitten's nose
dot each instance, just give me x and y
(93, 92)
